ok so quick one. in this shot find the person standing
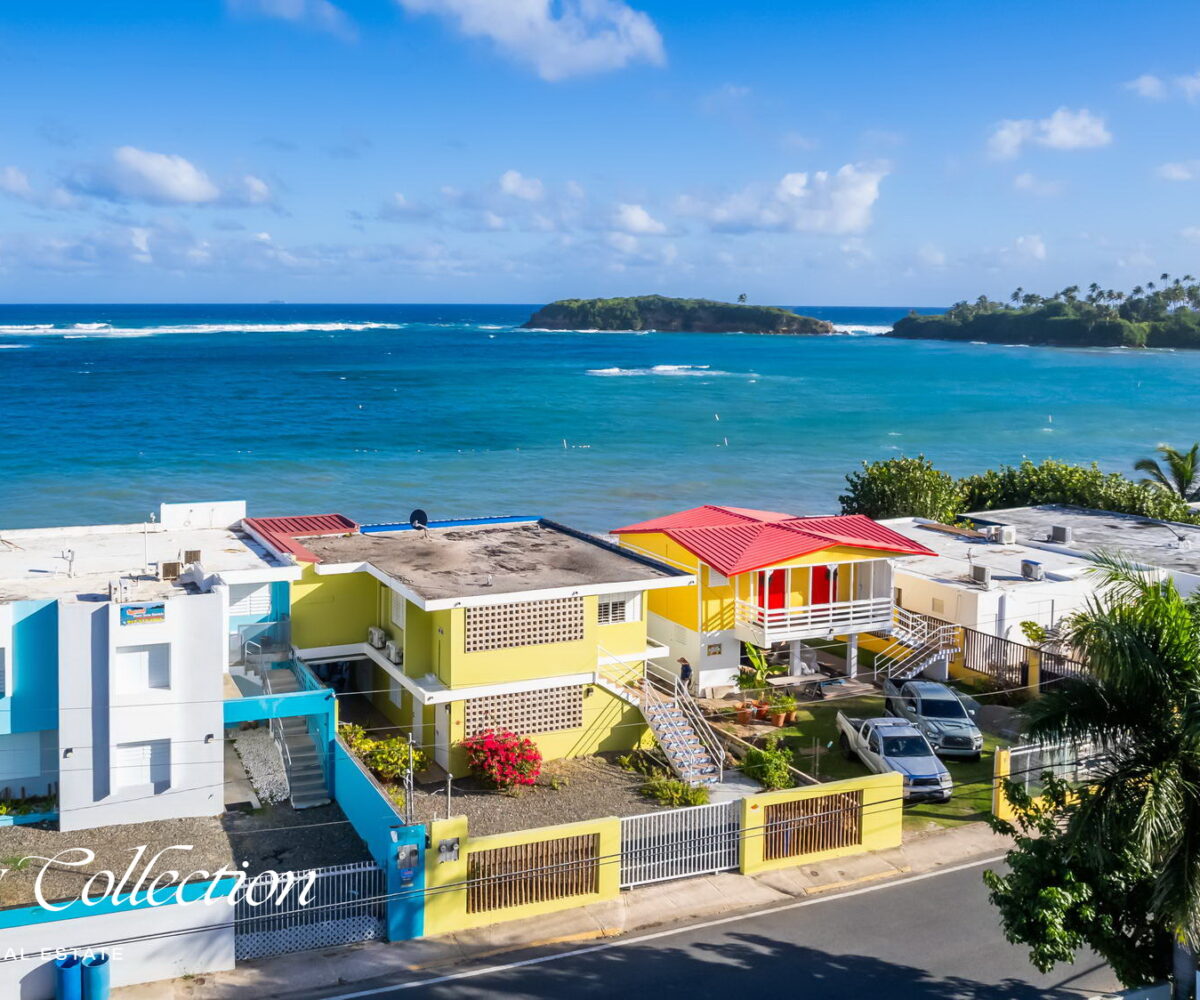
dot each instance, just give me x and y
(685, 673)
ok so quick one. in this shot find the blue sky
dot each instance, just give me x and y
(525, 150)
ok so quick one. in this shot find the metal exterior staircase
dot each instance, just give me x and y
(300, 753)
(918, 645)
(682, 733)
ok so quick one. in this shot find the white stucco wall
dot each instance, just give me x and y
(707, 671)
(206, 947)
(103, 704)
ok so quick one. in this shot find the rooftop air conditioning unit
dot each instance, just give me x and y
(375, 637)
(1061, 534)
(982, 574)
(990, 531)
(170, 570)
(191, 557)
(393, 651)
(1006, 534)
(1031, 569)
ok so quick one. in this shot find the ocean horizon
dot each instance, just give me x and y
(372, 410)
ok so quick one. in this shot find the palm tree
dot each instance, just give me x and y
(1181, 474)
(1140, 704)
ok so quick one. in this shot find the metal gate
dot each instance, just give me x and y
(695, 840)
(346, 904)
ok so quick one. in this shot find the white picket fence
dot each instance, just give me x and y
(346, 904)
(694, 840)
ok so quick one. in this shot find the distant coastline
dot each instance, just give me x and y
(663, 314)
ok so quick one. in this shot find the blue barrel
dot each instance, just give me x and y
(95, 977)
(68, 978)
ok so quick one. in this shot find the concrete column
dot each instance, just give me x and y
(852, 655)
(795, 659)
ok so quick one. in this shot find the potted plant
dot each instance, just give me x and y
(777, 711)
(762, 709)
(745, 712)
(786, 704)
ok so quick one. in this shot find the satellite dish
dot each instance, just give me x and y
(418, 519)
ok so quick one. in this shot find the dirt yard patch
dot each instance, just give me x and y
(587, 788)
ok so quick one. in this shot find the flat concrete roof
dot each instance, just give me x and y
(957, 551)
(478, 560)
(42, 563)
(1166, 544)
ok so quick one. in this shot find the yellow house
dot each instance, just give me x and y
(766, 578)
(450, 629)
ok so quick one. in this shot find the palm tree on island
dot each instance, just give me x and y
(1181, 474)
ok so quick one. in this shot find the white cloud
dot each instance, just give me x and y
(1191, 233)
(1183, 170)
(1189, 85)
(1030, 247)
(517, 185)
(164, 179)
(1065, 129)
(726, 98)
(1032, 184)
(15, 182)
(559, 40)
(319, 14)
(1149, 86)
(931, 256)
(636, 220)
(820, 202)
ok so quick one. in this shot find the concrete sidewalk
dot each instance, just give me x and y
(638, 909)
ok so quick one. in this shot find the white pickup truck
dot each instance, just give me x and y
(886, 745)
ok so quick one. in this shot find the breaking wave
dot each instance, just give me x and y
(693, 370)
(108, 330)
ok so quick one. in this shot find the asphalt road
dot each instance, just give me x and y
(933, 937)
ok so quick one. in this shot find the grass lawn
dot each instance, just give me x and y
(972, 798)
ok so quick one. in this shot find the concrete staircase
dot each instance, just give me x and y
(301, 756)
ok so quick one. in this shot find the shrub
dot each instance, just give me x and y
(902, 487)
(769, 765)
(387, 758)
(669, 791)
(504, 759)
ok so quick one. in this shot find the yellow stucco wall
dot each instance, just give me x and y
(446, 899)
(882, 816)
(333, 610)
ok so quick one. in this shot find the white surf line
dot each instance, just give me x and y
(657, 935)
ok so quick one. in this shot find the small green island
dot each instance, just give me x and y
(1162, 314)
(658, 312)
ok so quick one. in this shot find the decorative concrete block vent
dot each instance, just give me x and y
(528, 711)
(529, 623)
(260, 756)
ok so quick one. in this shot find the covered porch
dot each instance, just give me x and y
(816, 601)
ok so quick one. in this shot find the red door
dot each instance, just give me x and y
(824, 584)
(772, 589)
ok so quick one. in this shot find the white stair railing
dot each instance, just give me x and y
(938, 642)
(677, 691)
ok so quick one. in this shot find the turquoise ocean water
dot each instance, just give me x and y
(374, 410)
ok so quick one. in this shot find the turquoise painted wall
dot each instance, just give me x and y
(31, 702)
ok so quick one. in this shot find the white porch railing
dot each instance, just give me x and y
(763, 626)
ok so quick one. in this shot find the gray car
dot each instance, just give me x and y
(938, 714)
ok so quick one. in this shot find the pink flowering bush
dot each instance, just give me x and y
(505, 759)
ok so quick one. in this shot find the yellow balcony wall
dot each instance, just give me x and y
(333, 610)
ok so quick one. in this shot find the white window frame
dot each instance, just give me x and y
(399, 604)
(143, 680)
(630, 605)
(255, 601)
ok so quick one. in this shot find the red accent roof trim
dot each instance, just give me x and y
(281, 533)
(739, 540)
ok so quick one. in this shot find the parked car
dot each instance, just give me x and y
(895, 745)
(939, 714)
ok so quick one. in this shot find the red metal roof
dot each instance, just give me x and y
(737, 539)
(281, 533)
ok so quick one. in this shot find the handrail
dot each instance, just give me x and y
(691, 711)
(939, 640)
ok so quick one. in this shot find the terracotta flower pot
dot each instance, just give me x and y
(778, 719)
(744, 715)
(791, 717)
(763, 710)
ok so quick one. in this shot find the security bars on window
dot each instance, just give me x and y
(531, 623)
(527, 712)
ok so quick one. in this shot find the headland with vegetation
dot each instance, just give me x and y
(658, 312)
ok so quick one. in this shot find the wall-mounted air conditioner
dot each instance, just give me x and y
(375, 637)
(1031, 569)
(981, 575)
(393, 651)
